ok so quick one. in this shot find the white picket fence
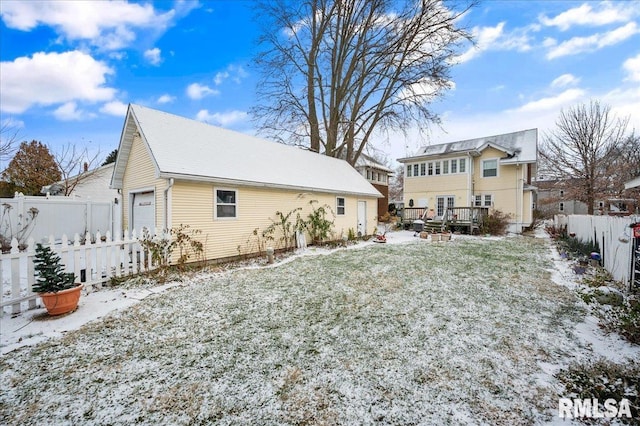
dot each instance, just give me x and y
(94, 261)
(613, 236)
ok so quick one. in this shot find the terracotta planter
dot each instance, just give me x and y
(61, 302)
(435, 237)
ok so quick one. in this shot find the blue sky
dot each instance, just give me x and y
(69, 68)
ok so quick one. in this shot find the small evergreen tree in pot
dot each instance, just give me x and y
(51, 276)
(57, 289)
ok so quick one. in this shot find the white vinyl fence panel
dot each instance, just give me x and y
(94, 259)
(612, 234)
(55, 216)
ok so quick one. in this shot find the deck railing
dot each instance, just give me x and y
(466, 215)
(413, 213)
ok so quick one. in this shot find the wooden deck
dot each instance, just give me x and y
(461, 219)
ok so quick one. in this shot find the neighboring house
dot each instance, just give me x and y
(554, 197)
(633, 183)
(176, 171)
(91, 184)
(378, 175)
(494, 172)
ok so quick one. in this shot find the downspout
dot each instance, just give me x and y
(470, 189)
(166, 204)
(519, 200)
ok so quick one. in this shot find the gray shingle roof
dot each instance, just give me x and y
(523, 145)
(187, 149)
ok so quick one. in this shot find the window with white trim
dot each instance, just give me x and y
(415, 169)
(490, 168)
(423, 169)
(340, 206)
(226, 203)
(437, 167)
(454, 166)
(430, 169)
(445, 167)
(409, 168)
(483, 200)
(462, 165)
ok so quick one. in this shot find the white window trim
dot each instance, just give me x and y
(344, 206)
(483, 200)
(497, 160)
(215, 204)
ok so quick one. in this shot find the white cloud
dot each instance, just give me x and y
(221, 119)
(117, 108)
(235, 73)
(484, 37)
(154, 56)
(52, 78)
(632, 67)
(199, 91)
(554, 102)
(107, 24)
(594, 42)
(495, 38)
(608, 13)
(166, 99)
(565, 80)
(69, 112)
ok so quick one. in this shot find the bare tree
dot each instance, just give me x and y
(8, 138)
(396, 183)
(334, 71)
(586, 141)
(75, 165)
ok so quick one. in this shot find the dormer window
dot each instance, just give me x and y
(490, 168)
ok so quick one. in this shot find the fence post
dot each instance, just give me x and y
(15, 275)
(31, 273)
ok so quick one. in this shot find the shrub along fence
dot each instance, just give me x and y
(93, 259)
(612, 235)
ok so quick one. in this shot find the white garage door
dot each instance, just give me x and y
(144, 211)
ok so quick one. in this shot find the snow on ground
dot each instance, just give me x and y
(35, 326)
(465, 332)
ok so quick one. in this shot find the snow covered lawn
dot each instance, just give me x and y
(466, 332)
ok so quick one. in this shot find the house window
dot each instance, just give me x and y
(369, 174)
(415, 169)
(490, 168)
(445, 167)
(374, 176)
(462, 165)
(430, 169)
(379, 177)
(226, 203)
(561, 193)
(485, 200)
(340, 206)
(423, 169)
(454, 166)
(409, 170)
(561, 207)
(437, 167)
